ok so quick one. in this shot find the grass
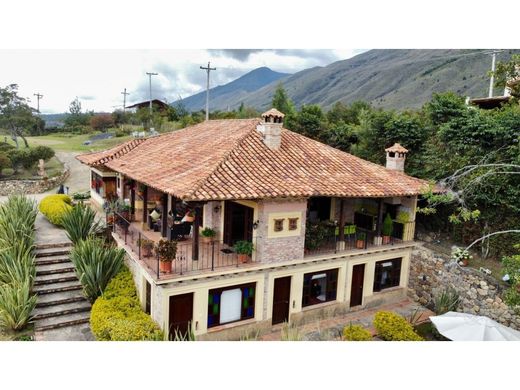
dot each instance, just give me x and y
(67, 142)
(53, 167)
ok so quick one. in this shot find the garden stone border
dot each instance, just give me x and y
(34, 186)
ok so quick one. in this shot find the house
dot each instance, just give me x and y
(156, 103)
(313, 214)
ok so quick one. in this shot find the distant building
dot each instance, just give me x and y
(157, 104)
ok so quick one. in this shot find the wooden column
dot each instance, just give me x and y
(145, 206)
(172, 210)
(195, 242)
(379, 225)
(164, 215)
(341, 220)
(132, 200)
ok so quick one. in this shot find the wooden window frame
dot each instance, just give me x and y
(219, 291)
(278, 225)
(332, 287)
(395, 274)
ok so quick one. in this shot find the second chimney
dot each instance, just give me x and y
(395, 157)
(271, 128)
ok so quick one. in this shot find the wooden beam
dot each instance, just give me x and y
(132, 200)
(164, 215)
(195, 242)
(341, 220)
(145, 206)
(379, 225)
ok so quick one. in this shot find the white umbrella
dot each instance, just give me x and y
(467, 327)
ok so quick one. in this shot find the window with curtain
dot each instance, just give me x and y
(231, 304)
(319, 287)
(387, 274)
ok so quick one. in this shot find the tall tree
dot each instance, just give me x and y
(15, 114)
(282, 102)
(508, 73)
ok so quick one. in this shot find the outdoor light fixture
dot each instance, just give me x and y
(216, 209)
(255, 224)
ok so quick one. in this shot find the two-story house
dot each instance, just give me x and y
(315, 216)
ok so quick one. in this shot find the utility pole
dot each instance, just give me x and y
(208, 69)
(38, 97)
(492, 79)
(150, 74)
(124, 93)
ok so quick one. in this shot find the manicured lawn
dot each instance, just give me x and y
(53, 167)
(73, 142)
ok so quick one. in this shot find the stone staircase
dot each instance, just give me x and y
(60, 298)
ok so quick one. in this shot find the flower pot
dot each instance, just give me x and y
(386, 240)
(165, 266)
(243, 258)
(147, 251)
(360, 244)
(206, 240)
(465, 262)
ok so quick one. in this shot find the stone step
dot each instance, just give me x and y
(51, 260)
(58, 287)
(59, 298)
(61, 321)
(57, 268)
(61, 310)
(55, 278)
(52, 252)
(53, 245)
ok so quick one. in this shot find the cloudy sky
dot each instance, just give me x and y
(97, 77)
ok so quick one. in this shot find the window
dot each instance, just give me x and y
(319, 287)
(278, 225)
(97, 183)
(293, 223)
(231, 304)
(388, 274)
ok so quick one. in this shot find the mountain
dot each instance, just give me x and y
(230, 93)
(387, 78)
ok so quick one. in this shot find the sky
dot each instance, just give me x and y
(97, 77)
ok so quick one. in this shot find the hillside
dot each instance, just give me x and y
(231, 93)
(389, 78)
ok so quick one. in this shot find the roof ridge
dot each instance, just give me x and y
(224, 158)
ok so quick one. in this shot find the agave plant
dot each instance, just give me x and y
(447, 300)
(16, 304)
(17, 265)
(17, 217)
(96, 263)
(80, 223)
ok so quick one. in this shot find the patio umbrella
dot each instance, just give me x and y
(468, 327)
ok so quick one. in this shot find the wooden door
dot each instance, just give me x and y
(238, 223)
(281, 298)
(181, 314)
(110, 187)
(358, 278)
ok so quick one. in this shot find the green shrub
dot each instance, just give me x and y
(16, 305)
(17, 265)
(17, 217)
(392, 327)
(117, 314)
(356, 333)
(5, 162)
(54, 207)
(447, 300)
(42, 152)
(96, 263)
(5, 147)
(388, 226)
(80, 223)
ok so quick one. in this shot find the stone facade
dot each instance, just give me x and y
(12, 187)
(480, 294)
(285, 247)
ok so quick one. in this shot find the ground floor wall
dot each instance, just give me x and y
(264, 280)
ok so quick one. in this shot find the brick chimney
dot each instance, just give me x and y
(395, 157)
(271, 128)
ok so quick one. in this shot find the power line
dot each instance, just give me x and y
(124, 93)
(38, 97)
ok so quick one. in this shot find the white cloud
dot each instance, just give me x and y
(97, 77)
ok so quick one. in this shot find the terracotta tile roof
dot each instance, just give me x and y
(100, 158)
(396, 148)
(227, 159)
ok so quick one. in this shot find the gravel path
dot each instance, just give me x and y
(79, 177)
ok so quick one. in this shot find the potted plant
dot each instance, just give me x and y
(166, 251)
(461, 256)
(146, 246)
(244, 249)
(360, 241)
(124, 210)
(387, 229)
(208, 234)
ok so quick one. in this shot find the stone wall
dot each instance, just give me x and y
(11, 187)
(480, 294)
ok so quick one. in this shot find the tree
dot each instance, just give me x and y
(15, 114)
(76, 117)
(101, 122)
(508, 74)
(310, 122)
(282, 102)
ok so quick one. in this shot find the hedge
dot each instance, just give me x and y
(117, 314)
(392, 327)
(356, 333)
(55, 206)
